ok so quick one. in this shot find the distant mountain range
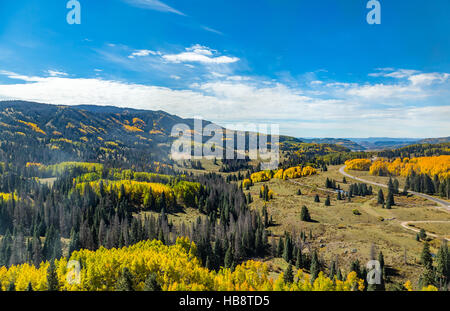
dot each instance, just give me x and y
(47, 133)
(335, 141)
(35, 132)
(375, 143)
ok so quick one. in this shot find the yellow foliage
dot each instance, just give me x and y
(111, 143)
(431, 166)
(408, 286)
(138, 122)
(61, 140)
(7, 196)
(260, 176)
(358, 164)
(176, 268)
(135, 189)
(33, 126)
(130, 128)
(155, 132)
(59, 168)
(430, 288)
(295, 172)
(31, 164)
(246, 182)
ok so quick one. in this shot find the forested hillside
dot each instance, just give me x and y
(97, 185)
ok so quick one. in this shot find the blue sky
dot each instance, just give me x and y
(314, 67)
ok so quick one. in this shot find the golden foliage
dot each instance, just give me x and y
(246, 183)
(136, 190)
(8, 196)
(33, 126)
(358, 164)
(430, 288)
(261, 176)
(431, 166)
(59, 168)
(111, 143)
(176, 268)
(130, 128)
(295, 172)
(31, 164)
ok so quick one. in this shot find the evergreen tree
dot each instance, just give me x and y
(316, 198)
(315, 267)
(388, 205)
(304, 214)
(327, 201)
(228, 261)
(125, 281)
(396, 186)
(287, 251)
(422, 234)
(151, 284)
(333, 271)
(29, 287)
(52, 278)
(380, 197)
(443, 265)
(425, 258)
(11, 287)
(390, 198)
(299, 259)
(289, 275)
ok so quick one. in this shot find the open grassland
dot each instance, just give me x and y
(339, 233)
(382, 179)
(441, 229)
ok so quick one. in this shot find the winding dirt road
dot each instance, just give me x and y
(443, 205)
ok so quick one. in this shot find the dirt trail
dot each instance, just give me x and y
(442, 205)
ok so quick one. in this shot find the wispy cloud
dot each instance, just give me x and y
(212, 30)
(392, 73)
(406, 108)
(56, 73)
(153, 5)
(143, 53)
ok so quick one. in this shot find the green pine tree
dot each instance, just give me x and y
(151, 284)
(315, 267)
(125, 281)
(304, 214)
(52, 278)
(425, 258)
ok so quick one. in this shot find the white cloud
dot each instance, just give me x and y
(153, 5)
(55, 73)
(344, 108)
(212, 30)
(142, 53)
(199, 54)
(428, 78)
(392, 73)
(394, 91)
